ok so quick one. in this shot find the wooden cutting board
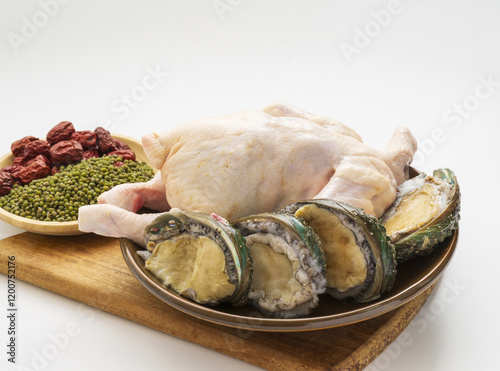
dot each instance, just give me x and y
(90, 269)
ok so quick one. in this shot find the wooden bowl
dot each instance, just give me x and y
(60, 228)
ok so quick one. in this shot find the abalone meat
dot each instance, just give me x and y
(360, 260)
(426, 211)
(200, 257)
(288, 264)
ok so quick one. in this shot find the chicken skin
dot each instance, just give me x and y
(260, 161)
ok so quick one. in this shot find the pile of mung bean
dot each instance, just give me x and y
(56, 198)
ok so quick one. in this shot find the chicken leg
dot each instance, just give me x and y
(113, 221)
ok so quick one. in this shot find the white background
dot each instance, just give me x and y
(433, 66)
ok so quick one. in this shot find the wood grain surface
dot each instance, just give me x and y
(75, 267)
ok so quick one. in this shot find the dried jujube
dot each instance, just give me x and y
(66, 152)
(37, 169)
(6, 182)
(18, 146)
(118, 145)
(62, 131)
(105, 141)
(90, 153)
(127, 154)
(87, 138)
(37, 147)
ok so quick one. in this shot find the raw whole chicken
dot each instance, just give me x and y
(259, 161)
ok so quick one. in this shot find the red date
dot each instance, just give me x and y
(90, 153)
(118, 144)
(6, 182)
(20, 161)
(87, 139)
(35, 170)
(62, 131)
(127, 154)
(18, 146)
(39, 158)
(66, 152)
(13, 170)
(37, 147)
(104, 140)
